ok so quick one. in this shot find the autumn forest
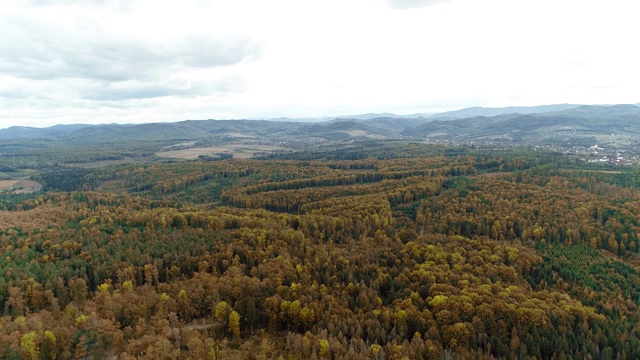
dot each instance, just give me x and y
(378, 251)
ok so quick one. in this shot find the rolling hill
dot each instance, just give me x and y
(549, 124)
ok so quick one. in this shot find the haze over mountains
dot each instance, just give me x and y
(546, 124)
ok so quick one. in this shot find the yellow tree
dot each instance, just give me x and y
(234, 324)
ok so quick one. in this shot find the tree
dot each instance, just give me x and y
(234, 324)
(29, 345)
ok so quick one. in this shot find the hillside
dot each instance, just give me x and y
(486, 112)
(25, 132)
(577, 126)
(552, 124)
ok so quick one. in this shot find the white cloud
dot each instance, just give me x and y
(408, 4)
(49, 51)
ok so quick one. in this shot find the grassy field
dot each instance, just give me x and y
(21, 186)
(7, 184)
(27, 187)
(617, 140)
(362, 133)
(239, 151)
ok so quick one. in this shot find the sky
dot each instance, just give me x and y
(135, 61)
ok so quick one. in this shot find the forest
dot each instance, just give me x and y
(379, 251)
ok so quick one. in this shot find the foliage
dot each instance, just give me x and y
(416, 251)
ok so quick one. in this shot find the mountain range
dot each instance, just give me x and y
(538, 124)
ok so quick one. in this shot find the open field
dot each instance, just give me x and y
(603, 171)
(6, 184)
(28, 187)
(239, 151)
(617, 140)
(363, 133)
(240, 135)
(21, 186)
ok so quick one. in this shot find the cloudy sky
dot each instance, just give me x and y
(103, 61)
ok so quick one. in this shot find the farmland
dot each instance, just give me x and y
(239, 151)
(7, 184)
(19, 186)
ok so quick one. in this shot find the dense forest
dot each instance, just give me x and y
(411, 251)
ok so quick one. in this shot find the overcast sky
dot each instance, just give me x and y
(103, 61)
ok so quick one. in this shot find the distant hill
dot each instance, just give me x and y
(602, 111)
(25, 132)
(469, 112)
(456, 114)
(370, 116)
(488, 111)
(548, 123)
(593, 122)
